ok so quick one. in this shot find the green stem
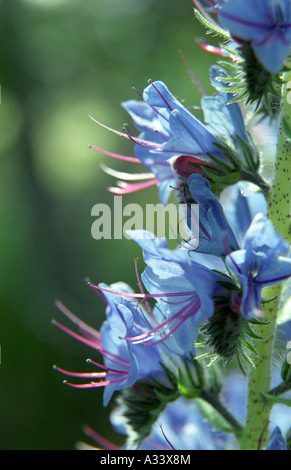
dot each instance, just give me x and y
(218, 406)
(255, 433)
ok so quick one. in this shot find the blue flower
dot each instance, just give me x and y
(266, 24)
(168, 130)
(215, 234)
(224, 120)
(124, 362)
(181, 426)
(258, 259)
(259, 263)
(183, 290)
(240, 204)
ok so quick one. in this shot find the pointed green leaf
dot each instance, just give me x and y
(213, 416)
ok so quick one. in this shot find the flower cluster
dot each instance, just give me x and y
(166, 350)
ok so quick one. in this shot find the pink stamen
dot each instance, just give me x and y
(87, 375)
(115, 155)
(100, 440)
(143, 143)
(195, 80)
(212, 49)
(128, 188)
(86, 329)
(142, 295)
(173, 323)
(138, 92)
(111, 357)
(91, 344)
(102, 383)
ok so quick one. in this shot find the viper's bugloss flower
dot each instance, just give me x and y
(260, 262)
(124, 363)
(172, 140)
(183, 290)
(265, 24)
(215, 234)
(224, 120)
(168, 130)
(241, 202)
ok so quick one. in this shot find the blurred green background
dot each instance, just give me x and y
(61, 60)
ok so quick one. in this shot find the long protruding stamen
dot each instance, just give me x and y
(102, 383)
(82, 339)
(100, 440)
(84, 327)
(143, 295)
(128, 188)
(112, 358)
(115, 155)
(193, 77)
(126, 176)
(88, 375)
(143, 143)
(108, 128)
(172, 323)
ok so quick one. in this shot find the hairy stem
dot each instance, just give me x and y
(255, 433)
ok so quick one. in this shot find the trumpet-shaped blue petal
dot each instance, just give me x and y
(168, 129)
(187, 290)
(125, 319)
(240, 205)
(215, 234)
(266, 24)
(259, 263)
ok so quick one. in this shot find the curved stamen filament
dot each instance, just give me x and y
(95, 375)
(84, 327)
(100, 440)
(115, 155)
(143, 143)
(127, 188)
(126, 176)
(102, 383)
(174, 322)
(143, 295)
(82, 339)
